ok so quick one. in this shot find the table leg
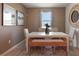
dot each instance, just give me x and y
(54, 49)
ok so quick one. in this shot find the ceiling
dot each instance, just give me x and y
(31, 5)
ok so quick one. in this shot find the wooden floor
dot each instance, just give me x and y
(41, 51)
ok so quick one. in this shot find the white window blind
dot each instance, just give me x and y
(46, 18)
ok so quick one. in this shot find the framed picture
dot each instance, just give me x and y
(20, 18)
(9, 15)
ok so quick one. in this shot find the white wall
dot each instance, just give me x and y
(68, 27)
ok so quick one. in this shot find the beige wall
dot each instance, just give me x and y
(33, 18)
(13, 33)
(59, 19)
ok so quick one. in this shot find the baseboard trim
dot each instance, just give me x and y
(12, 48)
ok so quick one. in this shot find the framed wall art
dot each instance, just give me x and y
(9, 15)
(20, 18)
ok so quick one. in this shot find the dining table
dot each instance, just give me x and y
(46, 37)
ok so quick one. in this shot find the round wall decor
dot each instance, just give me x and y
(74, 16)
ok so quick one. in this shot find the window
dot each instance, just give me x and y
(46, 17)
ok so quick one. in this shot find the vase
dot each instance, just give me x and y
(46, 31)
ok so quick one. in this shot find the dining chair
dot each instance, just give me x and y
(26, 32)
(29, 40)
(71, 33)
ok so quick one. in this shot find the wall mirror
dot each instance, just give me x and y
(74, 16)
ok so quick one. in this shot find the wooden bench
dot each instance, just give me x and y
(51, 42)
